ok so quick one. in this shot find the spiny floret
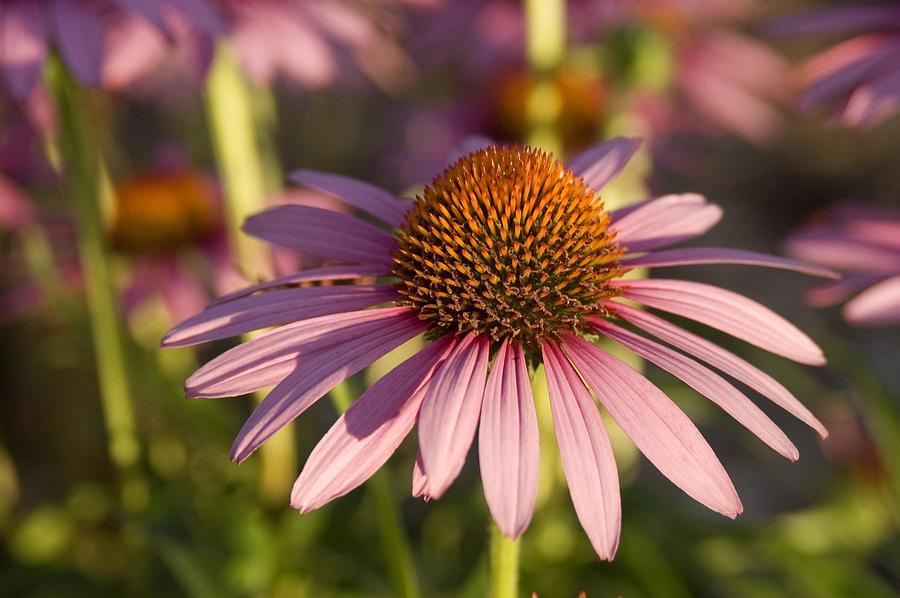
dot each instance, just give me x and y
(507, 242)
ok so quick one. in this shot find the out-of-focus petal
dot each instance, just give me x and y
(449, 415)
(600, 164)
(508, 448)
(315, 375)
(843, 252)
(721, 359)
(369, 432)
(726, 311)
(706, 383)
(23, 45)
(714, 255)
(877, 305)
(848, 19)
(323, 233)
(661, 431)
(585, 452)
(81, 37)
(665, 221)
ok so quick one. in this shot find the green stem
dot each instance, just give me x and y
(247, 178)
(396, 544)
(83, 166)
(545, 48)
(504, 565)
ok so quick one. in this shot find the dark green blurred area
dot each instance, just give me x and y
(191, 523)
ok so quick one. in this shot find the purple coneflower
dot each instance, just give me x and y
(864, 242)
(858, 79)
(506, 260)
(82, 31)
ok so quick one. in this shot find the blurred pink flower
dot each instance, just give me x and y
(858, 80)
(84, 32)
(508, 254)
(864, 242)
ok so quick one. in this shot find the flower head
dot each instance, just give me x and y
(857, 80)
(864, 242)
(506, 260)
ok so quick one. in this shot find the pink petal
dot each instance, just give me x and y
(312, 275)
(877, 305)
(360, 195)
(270, 357)
(508, 447)
(726, 311)
(254, 312)
(838, 291)
(134, 47)
(714, 255)
(838, 71)
(874, 101)
(842, 251)
(203, 14)
(665, 221)
(721, 359)
(601, 163)
(150, 10)
(23, 45)
(449, 414)
(81, 35)
(585, 452)
(323, 233)
(316, 374)
(661, 431)
(369, 432)
(847, 19)
(707, 383)
(420, 480)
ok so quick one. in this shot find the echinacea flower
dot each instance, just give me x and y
(506, 260)
(863, 242)
(82, 31)
(857, 80)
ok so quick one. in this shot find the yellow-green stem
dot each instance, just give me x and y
(504, 565)
(379, 488)
(545, 49)
(246, 177)
(83, 170)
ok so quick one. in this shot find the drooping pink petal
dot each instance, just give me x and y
(81, 36)
(835, 73)
(721, 359)
(877, 305)
(838, 291)
(369, 432)
(23, 45)
(312, 275)
(133, 47)
(150, 10)
(508, 448)
(419, 479)
(661, 431)
(282, 306)
(874, 101)
(323, 233)
(707, 383)
(665, 221)
(714, 255)
(270, 357)
(726, 311)
(601, 163)
(585, 452)
(449, 414)
(360, 195)
(316, 374)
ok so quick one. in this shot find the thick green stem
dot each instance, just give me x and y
(247, 178)
(504, 577)
(545, 47)
(390, 526)
(83, 169)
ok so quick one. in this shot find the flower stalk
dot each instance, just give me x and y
(247, 178)
(504, 565)
(545, 49)
(83, 168)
